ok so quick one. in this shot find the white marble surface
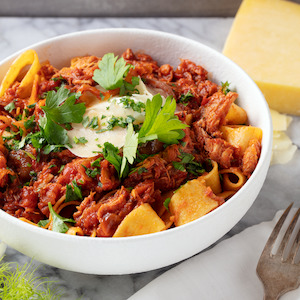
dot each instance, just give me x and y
(280, 188)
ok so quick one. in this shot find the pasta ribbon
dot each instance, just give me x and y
(29, 57)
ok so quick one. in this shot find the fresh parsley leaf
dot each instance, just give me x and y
(58, 221)
(225, 87)
(111, 153)
(43, 223)
(73, 192)
(129, 149)
(161, 123)
(178, 165)
(10, 106)
(129, 88)
(54, 133)
(68, 112)
(81, 140)
(111, 71)
(60, 108)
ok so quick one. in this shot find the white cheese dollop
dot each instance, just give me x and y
(109, 108)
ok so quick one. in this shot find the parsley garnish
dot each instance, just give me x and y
(130, 103)
(225, 87)
(184, 98)
(111, 153)
(96, 162)
(43, 223)
(60, 109)
(129, 149)
(91, 172)
(166, 203)
(81, 140)
(117, 121)
(161, 123)
(10, 106)
(58, 221)
(111, 72)
(188, 164)
(73, 192)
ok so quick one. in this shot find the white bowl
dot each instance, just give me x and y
(143, 253)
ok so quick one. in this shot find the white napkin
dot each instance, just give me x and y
(227, 271)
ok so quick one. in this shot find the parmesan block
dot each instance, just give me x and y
(265, 41)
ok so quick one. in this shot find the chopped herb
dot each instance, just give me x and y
(29, 123)
(225, 87)
(142, 170)
(111, 153)
(178, 165)
(33, 175)
(57, 78)
(130, 103)
(96, 162)
(12, 177)
(111, 72)
(184, 98)
(93, 123)
(61, 168)
(91, 172)
(52, 166)
(31, 105)
(85, 121)
(81, 140)
(166, 203)
(30, 155)
(59, 224)
(73, 192)
(10, 106)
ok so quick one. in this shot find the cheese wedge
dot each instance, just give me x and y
(265, 41)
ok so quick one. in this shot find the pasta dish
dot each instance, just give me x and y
(119, 146)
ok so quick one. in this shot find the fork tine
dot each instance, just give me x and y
(275, 232)
(294, 249)
(287, 234)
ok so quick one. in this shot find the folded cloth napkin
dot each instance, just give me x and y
(227, 271)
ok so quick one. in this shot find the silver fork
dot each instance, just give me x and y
(278, 275)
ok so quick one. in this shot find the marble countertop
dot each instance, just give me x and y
(280, 188)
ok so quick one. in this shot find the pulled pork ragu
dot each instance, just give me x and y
(30, 179)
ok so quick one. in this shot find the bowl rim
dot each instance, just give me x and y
(265, 155)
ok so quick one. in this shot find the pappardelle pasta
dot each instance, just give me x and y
(115, 147)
